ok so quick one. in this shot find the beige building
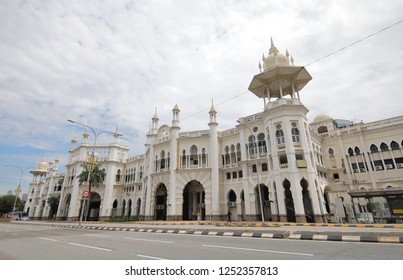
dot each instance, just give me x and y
(272, 166)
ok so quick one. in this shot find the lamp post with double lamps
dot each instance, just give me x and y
(18, 188)
(257, 173)
(91, 164)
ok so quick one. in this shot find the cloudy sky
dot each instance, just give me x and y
(111, 64)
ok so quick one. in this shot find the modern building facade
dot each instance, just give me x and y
(271, 166)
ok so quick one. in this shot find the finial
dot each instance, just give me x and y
(273, 50)
(260, 67)
(292, 61)
(212, 109)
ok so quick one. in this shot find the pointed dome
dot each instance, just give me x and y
(176, 108)
(275, 58)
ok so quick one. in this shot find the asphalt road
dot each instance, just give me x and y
(29, 242)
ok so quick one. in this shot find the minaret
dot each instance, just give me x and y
(149, 161)
(285, 121)
(213, 158)
(173, 165)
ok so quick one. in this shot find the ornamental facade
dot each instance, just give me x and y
(271, 166)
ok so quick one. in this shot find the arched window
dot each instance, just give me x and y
(227, 157)
(184, 159)
(194, 161)
(264, 167)
(374, 148)
(254, 168)
(357, 151)
(295, 133)
(193, 150)
(280, 136)
(238, 152)
(252, 145)
(331, 152)
(204, 158)
(384, 147)
(261, 143)
(118, 175)
(350, 152)
(162, 163)
(394, 145)
(322, 129)
(234, 175)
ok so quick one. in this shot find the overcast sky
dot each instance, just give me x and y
(112, 63)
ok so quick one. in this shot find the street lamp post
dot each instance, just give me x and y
(257, 173)
(91, 165)
(92, 160)
(18, 188)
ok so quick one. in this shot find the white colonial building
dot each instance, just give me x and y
(272, 166)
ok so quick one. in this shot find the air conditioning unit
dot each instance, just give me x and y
(355, 170)
(378, 167)
(389, 166)
(232, 204)
(399, 165)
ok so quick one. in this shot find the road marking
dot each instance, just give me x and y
(150, 257)
(96, 235)
(48, 239)
(90, 247)
(259, 250)
(148, 240)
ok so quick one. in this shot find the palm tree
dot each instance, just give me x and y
(97, 176)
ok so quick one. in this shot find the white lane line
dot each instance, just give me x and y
(149, 240)
(259, 250)
(150, 257)
(96, 235)
(90, 247)
(48, 239)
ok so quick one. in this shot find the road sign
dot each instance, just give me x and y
(85, 194)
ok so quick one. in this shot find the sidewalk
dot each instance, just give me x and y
(380, 233)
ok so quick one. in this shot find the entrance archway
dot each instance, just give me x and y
(123, 207)
(138, 207)
(232, 206)
(264, 190)
(129, 208)
(161, 202)
(115, 208)
(193, 201)
(307, 202)
(66, 207)
(289, 201)
(95, 204)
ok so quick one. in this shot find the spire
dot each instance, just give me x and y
(273, 50)
(116, 135)
(85, 136)
(212, 109)
(213, 114)
(175, 116)
(155, 117)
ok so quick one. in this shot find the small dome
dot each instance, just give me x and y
(274, 60)
(42, 166)
(321, 118)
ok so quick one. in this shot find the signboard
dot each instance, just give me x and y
(85, 194)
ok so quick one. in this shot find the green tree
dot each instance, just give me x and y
(53, 202)
(97, 176)
(7, 204)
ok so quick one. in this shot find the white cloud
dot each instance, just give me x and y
(110, 63)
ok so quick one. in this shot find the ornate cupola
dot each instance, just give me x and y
(279, 77)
